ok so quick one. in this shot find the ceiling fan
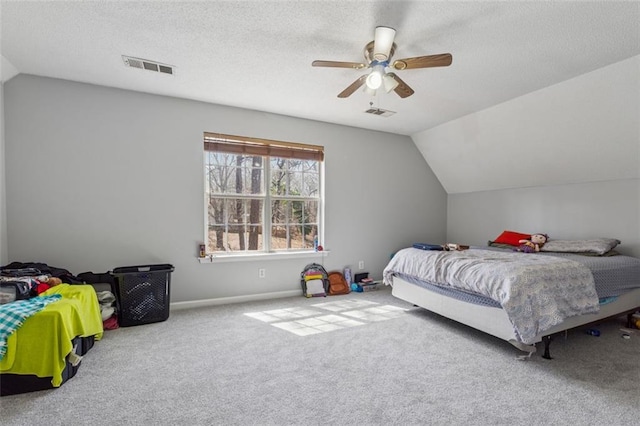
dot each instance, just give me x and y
(378, 54)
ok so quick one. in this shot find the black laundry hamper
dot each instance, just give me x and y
(143, 293)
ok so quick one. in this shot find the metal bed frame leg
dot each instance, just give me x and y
(547, 342)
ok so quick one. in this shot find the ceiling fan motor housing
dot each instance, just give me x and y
(383, 42)
(369, 54)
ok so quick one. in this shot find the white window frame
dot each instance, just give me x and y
(267, 198)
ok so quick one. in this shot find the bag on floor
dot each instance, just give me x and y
(314, 281)
(337, 283)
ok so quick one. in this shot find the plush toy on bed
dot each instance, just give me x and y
(54, 281)
(533, 244)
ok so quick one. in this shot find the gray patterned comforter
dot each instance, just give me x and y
(537, 292)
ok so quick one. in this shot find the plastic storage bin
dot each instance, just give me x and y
(143, 293)
(12, 384)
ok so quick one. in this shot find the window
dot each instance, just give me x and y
(253, 185)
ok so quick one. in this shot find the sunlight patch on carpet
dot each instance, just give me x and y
(305, 321)
(342, 305)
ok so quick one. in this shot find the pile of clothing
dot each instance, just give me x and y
(107, 302)
(105, 285)
(20, 281)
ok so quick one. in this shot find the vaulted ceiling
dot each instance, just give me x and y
(258, 54)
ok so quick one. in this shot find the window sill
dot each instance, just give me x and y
(219, 258)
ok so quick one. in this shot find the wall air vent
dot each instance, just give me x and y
(145, 64)
(380, 112)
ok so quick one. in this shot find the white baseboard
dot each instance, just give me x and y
(235, 299)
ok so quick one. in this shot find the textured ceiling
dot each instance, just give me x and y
(258, 54)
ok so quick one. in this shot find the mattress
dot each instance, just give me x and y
(613, 276)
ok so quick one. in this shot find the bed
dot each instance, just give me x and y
(46, 350)
(523, 298)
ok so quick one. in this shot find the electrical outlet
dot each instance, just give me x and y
(361, 264)
(261, 273)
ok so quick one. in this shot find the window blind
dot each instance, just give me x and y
(217, 142)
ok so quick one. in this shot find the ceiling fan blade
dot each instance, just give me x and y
(382, 42)
(338, 64)
(402, 89)
(353, 87)
(441, 60)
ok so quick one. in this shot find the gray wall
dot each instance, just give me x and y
(580, 211)
(99, 178)
(586, 129)
(564, 160)
(3, 198)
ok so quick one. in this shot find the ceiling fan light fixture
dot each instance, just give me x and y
(374, 79)
(383, 42)
(369, 91)
(389, 83)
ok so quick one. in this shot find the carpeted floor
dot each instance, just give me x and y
(364, 359)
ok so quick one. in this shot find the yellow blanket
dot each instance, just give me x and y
(42, 344)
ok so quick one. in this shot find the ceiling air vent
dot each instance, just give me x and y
(145, 64)
(380, 112)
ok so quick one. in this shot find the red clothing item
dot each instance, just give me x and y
(41, 287)
(110, 323)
